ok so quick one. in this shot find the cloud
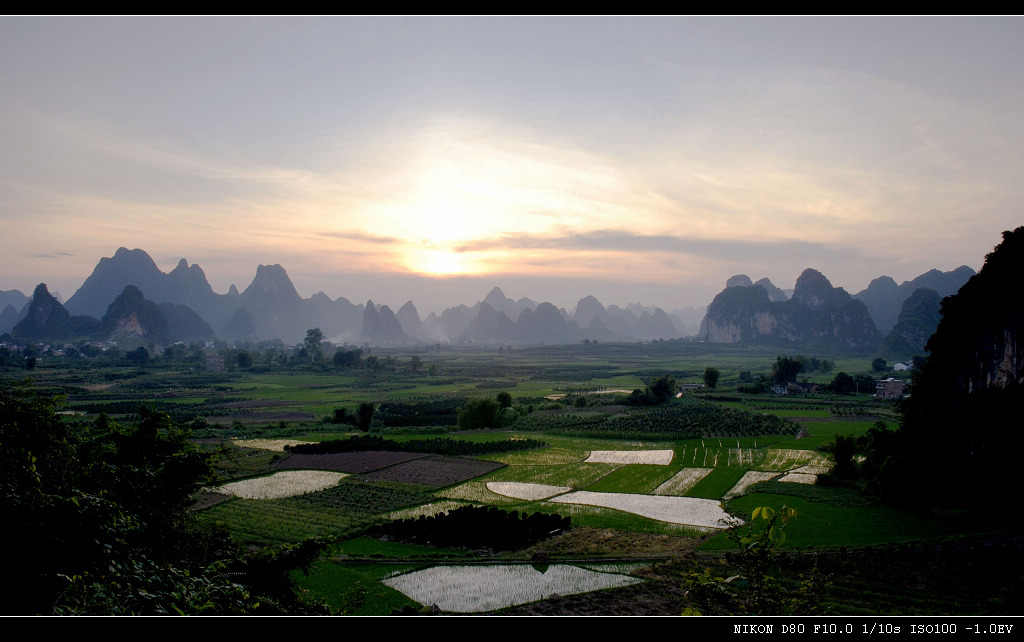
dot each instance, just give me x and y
(367, 238)
(627, 242)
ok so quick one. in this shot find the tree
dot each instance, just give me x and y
(879, 365)
(139, 356)
(415, 363)
(348, 358)
(864, 384)
(756, 588)
(504, 399)
(314, 337)
(101, 525)
(785, 369)
(478, 414)
(364, 415)
(243, 359)
(842, 382)
(843, 451)
(662, 389)
(711, 377)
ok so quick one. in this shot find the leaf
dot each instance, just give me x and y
(777, 536)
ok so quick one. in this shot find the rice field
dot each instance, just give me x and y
(477, 492)
(281, 521)
(688, 511)
(596, 517)
(573, 475)
(749, 478)
(286, 483)
(633, 478)
(276, 445)
(652, 457)
(716, 483)
(426, 510)
(799, 478)
(553, 456)
(682, 482)
(783, 459)
(475, 589)
(531, 492)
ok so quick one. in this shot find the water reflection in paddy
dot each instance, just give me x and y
(473, 589)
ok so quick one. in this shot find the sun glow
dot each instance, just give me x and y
(440, 262)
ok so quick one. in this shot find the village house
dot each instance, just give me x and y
(889, 388)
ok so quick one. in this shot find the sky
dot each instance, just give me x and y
(635, 159)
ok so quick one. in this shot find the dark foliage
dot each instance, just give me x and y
(658, 391)
(100, 525)
(681, 419)
(437, 446)
(967, 398)
(476, 527)
(478, 414)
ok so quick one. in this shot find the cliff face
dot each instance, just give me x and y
(48, 319)
(818, 315)
(885, 299)
(131, 316)
(967, 398)
(976, 345)
(919, 317)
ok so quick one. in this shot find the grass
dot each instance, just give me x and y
(597, 517)
(280, 521)
(634, 478)
(351, 590)
(369, 547)
(717, 483)
(824, 525)
(572, 475)
(823, 432)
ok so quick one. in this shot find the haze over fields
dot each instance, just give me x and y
(636, 159)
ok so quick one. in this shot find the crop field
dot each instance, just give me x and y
(633, 478)
(682, 482)
(717, 483)
(687, 469)
(278, 521)
(471, 589)
(530, 492)
(574, 475)
(433, 471)
(286, 483)
(357, 462)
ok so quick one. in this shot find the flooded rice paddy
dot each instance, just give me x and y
(475, 589)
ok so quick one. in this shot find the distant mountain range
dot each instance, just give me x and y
(820, 315)
(128, 297)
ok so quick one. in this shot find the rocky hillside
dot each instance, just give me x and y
(919, 317)
(818, 315)
(47, 319)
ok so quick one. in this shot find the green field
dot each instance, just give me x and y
(300, 403)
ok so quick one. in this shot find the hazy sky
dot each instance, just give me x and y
(641, 159)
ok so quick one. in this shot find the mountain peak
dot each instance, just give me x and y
(814, 290)
(272, 280)
(739, 280)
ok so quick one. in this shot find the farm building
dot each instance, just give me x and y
(889, 388)
(214, 362)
